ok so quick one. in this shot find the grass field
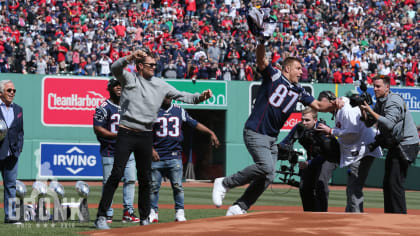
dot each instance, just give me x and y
(193, 196)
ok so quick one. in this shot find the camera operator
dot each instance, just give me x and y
(353, 137)
(316, 171)
(397, 134)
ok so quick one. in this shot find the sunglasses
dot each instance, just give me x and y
(150, 64)
(11, 90)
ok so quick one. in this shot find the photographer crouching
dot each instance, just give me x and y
(315, 173)
(398, 134)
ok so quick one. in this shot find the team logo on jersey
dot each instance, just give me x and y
(99, 115)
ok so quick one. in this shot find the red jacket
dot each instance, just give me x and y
(338, 77)
(409, 79)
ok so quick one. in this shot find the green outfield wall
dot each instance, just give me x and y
(60, 143)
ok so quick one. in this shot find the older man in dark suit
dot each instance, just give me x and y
(10, 146)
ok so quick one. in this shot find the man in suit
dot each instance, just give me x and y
(10, 147)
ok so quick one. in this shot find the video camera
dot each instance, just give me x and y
(286, 153)
(357, 100)
(384, 141)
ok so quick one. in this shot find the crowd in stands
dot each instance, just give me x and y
(338, 41)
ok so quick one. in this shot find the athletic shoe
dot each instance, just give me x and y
(130, 217)
(219, 192)
(153, 216)
(100, 223)
(109, 219)
(180, 215)
(235, 210)
(145, 222)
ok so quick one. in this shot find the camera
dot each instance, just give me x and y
(286, 153)
(385, 141)
(357, 100)
(378, 140)
(318, 143)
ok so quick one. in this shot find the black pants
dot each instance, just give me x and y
(395, 174)
(139, 143)
(313, 187)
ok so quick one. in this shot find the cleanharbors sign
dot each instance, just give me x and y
(71, 101)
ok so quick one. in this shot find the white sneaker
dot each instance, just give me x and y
(180, 215)
(100, 223)
(153, 216)
(235, 210)
(219, 192)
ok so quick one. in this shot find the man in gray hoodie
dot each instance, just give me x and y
(141, 98)
(399, 135)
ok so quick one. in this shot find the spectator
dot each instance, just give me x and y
(359, 31)
(4, 66)
(190, 8)
(52, 66)
(181, 69)
(213, 52)
(227, 71)
(233, 56)
(41, 65)
(169, 70)
(105, 63)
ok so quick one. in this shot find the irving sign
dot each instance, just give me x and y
(70, 101)
(70, 160)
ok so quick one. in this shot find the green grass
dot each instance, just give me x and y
(196, 195)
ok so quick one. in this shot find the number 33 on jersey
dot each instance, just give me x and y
(168, 131)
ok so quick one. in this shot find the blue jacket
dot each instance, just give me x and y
(14, 136)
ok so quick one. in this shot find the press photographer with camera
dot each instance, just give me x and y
(398, 134)
(316, 171)
(353, 137)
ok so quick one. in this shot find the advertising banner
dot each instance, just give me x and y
(410, 95)
(68, 101)
(217, 101)
(70, 160)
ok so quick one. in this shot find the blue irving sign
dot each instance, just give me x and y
(67, 160)
(410, 96)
